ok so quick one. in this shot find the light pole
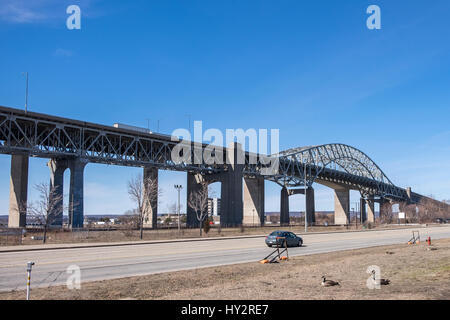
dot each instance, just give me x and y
(189, 116)
(306, 201)
(353, 210)
(357, 211)
(178, 187)
(26, 92)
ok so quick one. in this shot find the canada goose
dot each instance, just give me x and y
(329, 283)
(383, 282)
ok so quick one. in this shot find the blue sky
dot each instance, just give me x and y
(309, 68)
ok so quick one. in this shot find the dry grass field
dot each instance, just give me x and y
(96, 236)
(415, 273)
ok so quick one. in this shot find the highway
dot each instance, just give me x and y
(101, 263)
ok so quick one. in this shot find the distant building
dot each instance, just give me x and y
(214, 207)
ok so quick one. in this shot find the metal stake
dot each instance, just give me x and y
(29, 267)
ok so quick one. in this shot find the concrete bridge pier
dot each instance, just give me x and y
(76, 192)
(310, 206)
(284, 207)
(368, 210)
(362, 205)
(194, 181)
(18, 192)
(342, 206)
(231, 204)
(57, 168)
(254, 201)
(151, 214)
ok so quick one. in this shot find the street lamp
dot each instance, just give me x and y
(26, 91)
(178, 188)
(306, 201)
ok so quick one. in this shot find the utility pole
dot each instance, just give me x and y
(306, 200)
(26, 92)
(358, 211)
(189, 116)
(178, 188)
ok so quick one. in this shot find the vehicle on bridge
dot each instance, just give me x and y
(278, 238)
(442, 220)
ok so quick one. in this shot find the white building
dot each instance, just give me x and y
(214, 207)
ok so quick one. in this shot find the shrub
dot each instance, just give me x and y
(206, 225)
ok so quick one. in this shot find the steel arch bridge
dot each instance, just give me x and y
(338, 164)
(48, 136)
(70, 143)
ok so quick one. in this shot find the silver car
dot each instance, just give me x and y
(277, 237)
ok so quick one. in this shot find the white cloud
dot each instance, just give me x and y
(39, 11)
(62, 53)
(18, 11)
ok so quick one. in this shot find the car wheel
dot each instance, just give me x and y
(269, 245)
(300, 243)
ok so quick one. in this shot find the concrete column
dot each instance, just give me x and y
(231, 205)
(284, 207)
(18, 191)
(408, 193)
(254, 201)
(342, 206)
(193, 185)
(310, 206)
(370, 210)
(362, 204)
(76, 192)
(151, 215)
(57, 169)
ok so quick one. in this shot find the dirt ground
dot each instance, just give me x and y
(414, 271)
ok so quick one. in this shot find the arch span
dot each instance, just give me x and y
(335, 163)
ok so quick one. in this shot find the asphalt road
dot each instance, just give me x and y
(102, 263)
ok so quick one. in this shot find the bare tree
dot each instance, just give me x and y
(386, 214)
(198, 201)
(430, 209)
(46, 210)
(172, 208)
(144, 192)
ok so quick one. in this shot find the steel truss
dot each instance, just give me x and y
(52, 137)
(32, 135)
(338, 164)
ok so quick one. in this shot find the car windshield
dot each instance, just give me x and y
(277, 233)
